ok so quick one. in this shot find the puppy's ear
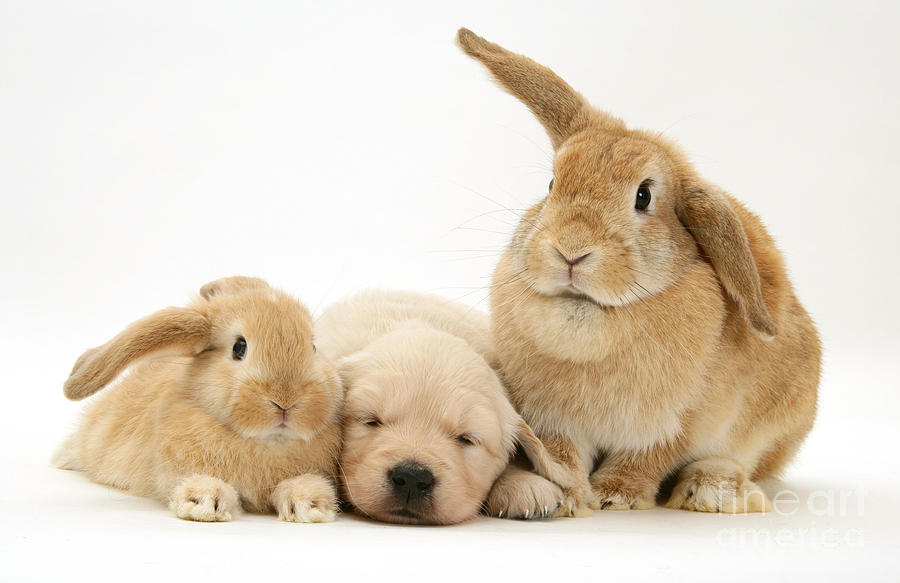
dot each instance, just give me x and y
(544, 464)
(230, 285)
(705, 212)
(351, 367)
(176, 331)
(559, 108)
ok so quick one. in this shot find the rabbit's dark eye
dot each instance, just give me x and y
(550, 188)
(239, 349)
(642, 200)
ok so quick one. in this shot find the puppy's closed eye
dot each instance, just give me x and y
(466, 439)
(371, 421)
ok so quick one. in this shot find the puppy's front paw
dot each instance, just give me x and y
(614, 491)
(205, 499)
(306, 498)
(523, 495)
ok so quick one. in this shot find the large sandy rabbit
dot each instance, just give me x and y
(228, 405)
(643, 317)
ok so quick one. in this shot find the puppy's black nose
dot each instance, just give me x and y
(410, 481)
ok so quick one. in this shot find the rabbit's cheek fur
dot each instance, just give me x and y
(588, 240)
(578, 251)
(597, 274)
(281, 410)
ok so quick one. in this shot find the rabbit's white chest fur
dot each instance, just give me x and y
(582, 371)
(597, 408)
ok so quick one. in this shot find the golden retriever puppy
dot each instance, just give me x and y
(428, 427)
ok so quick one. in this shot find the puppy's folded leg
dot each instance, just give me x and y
(523, 495)
(306, 498)
(565, 465)
(205, 499)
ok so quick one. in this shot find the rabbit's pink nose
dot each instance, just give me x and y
(282, 415)
(571, 262)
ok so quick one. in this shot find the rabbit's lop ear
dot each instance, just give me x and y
(230, 285)
(559, 108)
(706, 213)
(177, 331)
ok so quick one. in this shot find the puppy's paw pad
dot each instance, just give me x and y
(522, 495)
(308, 499)
(205, 499)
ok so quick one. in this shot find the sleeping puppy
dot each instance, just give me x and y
(428, 427)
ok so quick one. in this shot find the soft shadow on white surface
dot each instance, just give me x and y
(109, 535)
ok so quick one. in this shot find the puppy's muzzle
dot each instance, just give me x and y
(410, 481)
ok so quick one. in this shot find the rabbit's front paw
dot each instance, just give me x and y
(717, 485)
(614, 491)
(205, 499)
(523, 495)
(306, 498)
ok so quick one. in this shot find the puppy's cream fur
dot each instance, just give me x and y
(419, 390)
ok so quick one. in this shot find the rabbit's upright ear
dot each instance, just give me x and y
(170, 331)
(706, 213)
(230, 285)
(559, 108)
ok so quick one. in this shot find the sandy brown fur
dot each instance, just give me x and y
(195, 427)
(671, 336)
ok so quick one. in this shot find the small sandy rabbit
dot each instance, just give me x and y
(644, 321)
(234, 409)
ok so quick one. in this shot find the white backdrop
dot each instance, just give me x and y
(146, 148)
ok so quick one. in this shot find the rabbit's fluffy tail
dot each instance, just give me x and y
(64, 457)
